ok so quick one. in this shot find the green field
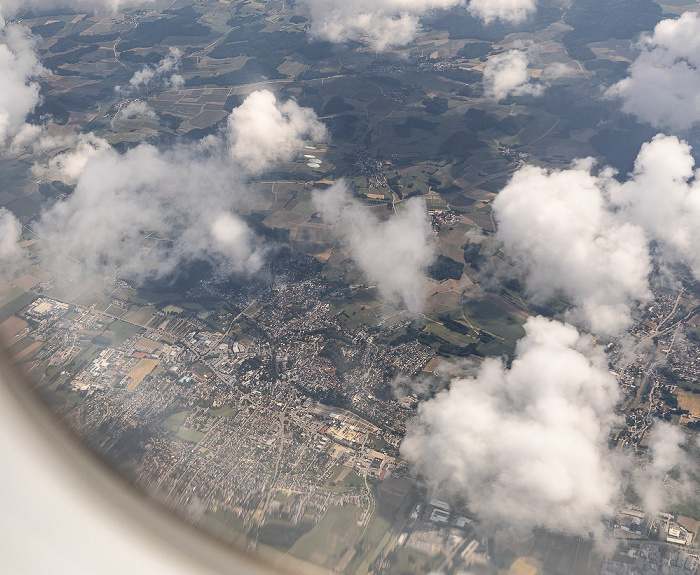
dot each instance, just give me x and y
(689, 508)
(375, 539)
(223, 411)
(337, 470)
(14, 301)
(409, 561)
(122, 331)
(97, 300)
(448, 334)
(355, 319)
(191, 435)
(63, 399)
(85, 358)
(353, 480)
(281, 534)
(145, 297)
(377, 442)
(227, 526)
(11, 294)
(385, 523)
(331, 537)
(350, 482)
(493, 319)
(175, 421)
(140, 315)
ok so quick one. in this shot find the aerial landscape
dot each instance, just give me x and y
(393, 287)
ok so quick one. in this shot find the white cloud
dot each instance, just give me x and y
(135, 109)
(560, 227)
(141, 214)
(10, 233)
(392, 253)
(234, 238)
(508, 10)
(19, 69)
(381, 23)
(160, 77)
(385, 24)
(662, 195)
(560, 70)
(263, 131)
(68, 165)
(663, 85)
(27, 135)
(506, 75)
(588, 235)
(652, 482)
(178, 205)
(526, 445)
(9, 7)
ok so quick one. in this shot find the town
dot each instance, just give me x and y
(263, 419)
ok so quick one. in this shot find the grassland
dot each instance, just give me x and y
(281, 534)
(223, 411)
(331, 537)
(336, 473)
(385, 523)
(175, 421)
(409, 561)
(98, 300)
(226, 525)
(494, 319)
(191, 435)
(84, 358)
(62, 399)
(374, 540)
(14, 301)
(122, 331)
(139, 315)
(448, 334)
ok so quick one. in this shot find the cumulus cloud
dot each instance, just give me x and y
(662, 195)
(422, 386)
(526, 445)
(10, 7)
(389, 23)
(392, 253)
(233, 237)
(135, 109)
(19, 69)
(160, 77)
(68, 165)
(508, 10)
(263, 131)
(506, 75)
(664, 81)
(559, 70)
(588, 235)
(559, 225)
(143, 213)
(10, 232)
(651, 481)
(381, 23)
